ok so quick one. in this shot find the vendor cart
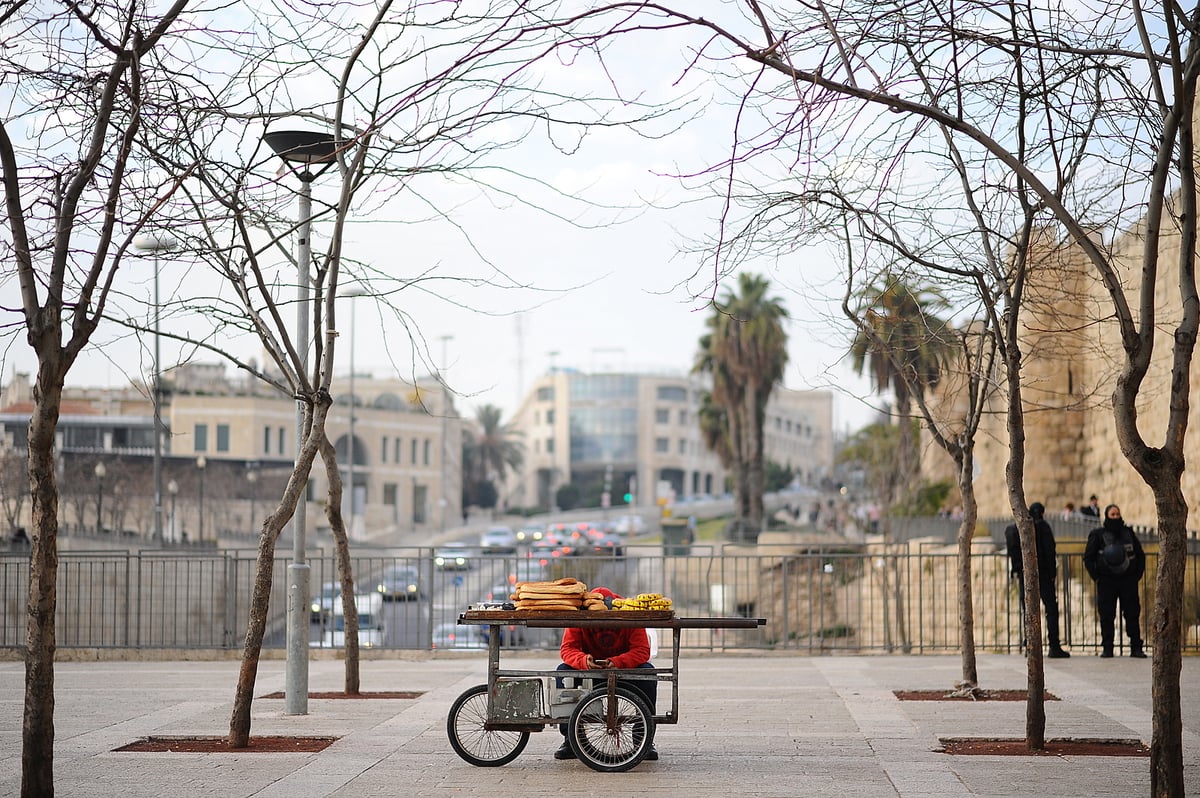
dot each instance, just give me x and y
(609, 726)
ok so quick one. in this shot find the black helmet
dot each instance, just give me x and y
(1037, 510)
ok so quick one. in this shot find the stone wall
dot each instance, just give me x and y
(1071, 359)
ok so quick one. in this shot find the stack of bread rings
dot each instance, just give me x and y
(561, 594)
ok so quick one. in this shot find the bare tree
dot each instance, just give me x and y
(414, 91)
(1080, 118)
(63, 194)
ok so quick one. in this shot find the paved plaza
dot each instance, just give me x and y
(752, 725)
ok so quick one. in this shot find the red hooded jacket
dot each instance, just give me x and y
(624, 648)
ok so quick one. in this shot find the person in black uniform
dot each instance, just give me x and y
(1115, 561)
(1047, 560)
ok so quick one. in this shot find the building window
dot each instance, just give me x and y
(427, 449)
(549, 446)
(662, 416)
(662, 445)
(672, 393)
(200, 437)
(419, 498)
(222, 437)
(683, 418)
(396, 450)
(545, 394)
(283, 440)
(537, 446)
(389, 493)
(266, 449)
(413, 452)
(383, 449)
(683, 445)
(549, 416)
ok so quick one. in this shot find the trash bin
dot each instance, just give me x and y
(675, 537)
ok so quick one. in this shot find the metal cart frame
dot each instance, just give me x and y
(609, 728)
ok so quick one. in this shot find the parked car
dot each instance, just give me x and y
(498, 540)
(371, 624)
(630, 525)
(453, 557)
(547, 550)
(399, 583)
(530, 533)
(499, 593)
(609, 544)
(457, 636)
(322, 603)
(529, 569)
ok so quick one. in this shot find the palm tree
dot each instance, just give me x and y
(905, 347)
(490, 450)
(745, 351)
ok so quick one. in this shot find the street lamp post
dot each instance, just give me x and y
(173, 489)
(100, 472)
(252, 478)
(445, 501)
(300, 151)
(350, 451)
(156, 244)
(201, 463)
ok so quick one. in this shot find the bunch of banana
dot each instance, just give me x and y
(644, 601)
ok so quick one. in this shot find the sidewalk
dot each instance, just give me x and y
(764, 725)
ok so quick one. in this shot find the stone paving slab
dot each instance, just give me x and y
(775, 726)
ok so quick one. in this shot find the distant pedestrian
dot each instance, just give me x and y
(1114, 558)
(1068, 511)
(1092, 508)
(20, 538)
(1047, 563)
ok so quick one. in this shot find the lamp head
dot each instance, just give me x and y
(153, 242)
(300, 149)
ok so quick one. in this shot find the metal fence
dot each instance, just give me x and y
(884, 599)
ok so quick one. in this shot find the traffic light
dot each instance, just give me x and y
(629, 498)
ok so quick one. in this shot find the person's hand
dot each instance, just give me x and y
(594, 664)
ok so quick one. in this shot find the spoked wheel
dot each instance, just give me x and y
(616, 747)
(474, 743)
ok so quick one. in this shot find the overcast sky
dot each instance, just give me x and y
(600, 277)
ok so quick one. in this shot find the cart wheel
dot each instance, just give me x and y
(616, 750)
(474, 743)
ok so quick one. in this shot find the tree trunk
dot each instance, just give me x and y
(1035, 678)
(260, 601)
(337, 524)
(1166, 634)
(966, 602)
(755, 474)
(37, 731)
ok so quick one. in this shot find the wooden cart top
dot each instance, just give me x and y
(604, 619)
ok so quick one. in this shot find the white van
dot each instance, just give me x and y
(371, 626)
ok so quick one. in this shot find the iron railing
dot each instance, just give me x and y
(886, 598)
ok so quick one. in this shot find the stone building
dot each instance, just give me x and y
(1071, 358)
(234, 440)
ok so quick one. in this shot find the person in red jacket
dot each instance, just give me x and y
(599, 649)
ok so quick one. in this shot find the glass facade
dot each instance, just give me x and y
(603, 419)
